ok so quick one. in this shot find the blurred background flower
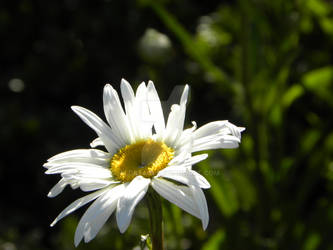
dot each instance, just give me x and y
(266, 65)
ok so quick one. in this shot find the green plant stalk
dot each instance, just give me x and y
(156, 222)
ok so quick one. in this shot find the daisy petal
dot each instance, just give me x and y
(195, 159)
(115, 114)
(155, 108)
(88, 185)
(134, 192)
(202, 181)
(77, 204)
(187, 160)
(183, 101)
(200, 200)
(93, 156)
(142, 112)
(211, 128)
(58, 188)
(111, 141)
(184, 175)
(76, 167)
(175, 123)
(207, 143)
(97, 142)
(173, 129)
(80, 153)
(97, 214)
(214, 135)
(177, 194)
(130, 106)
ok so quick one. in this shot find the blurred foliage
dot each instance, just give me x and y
(264, 65)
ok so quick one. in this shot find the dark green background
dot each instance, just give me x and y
(264, 65)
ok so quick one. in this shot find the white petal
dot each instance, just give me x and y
(77, 204)
(207, 143)
(200, 200)
(177, 194)
(130, 106)
(184, 175)
(72, 167)
(58, 188)
(186, 159)
(88, 185)
(183, 99)
(134, 192)
(142, 111)
(218, 127)
(110, 140)
(175, 123)
(115, 115)
(211, 128)
(181, 155)
(92, 174)
(202, 181)
(173, 128)
(93, 156)
(185, 140)
(97, 142)
(97, 214)
(155, 108)
(195, 159)
(218, 134)
(80, 153)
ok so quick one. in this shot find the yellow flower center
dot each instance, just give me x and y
(146, 158)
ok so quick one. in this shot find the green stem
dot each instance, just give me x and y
(155, 216)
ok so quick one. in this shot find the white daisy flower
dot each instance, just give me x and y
(142, 150)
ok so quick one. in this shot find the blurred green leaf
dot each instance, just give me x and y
(192, 48)
(327, 25)
(294, 92)
(309, 141)
(245, 189)
(318, 78)
(312, 242)
(215, 241)
(318, 7)
(319, 81)
(222, 189)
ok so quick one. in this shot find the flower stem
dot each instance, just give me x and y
(155, 216)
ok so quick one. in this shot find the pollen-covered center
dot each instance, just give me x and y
(144, 158)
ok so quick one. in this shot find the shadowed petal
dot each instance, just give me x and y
(57, 188)
(184, 175)
(134, 192)
(177, 194)
(200, 200)
(77, 204)
(97, 214)
(155, 108)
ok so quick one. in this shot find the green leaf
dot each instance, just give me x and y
(312, 241)
(327, 25)
(245, 189)
(294, 92)
(318, 7)
(318, 78)
(215, 241)
(319, 81)
(222, 189)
